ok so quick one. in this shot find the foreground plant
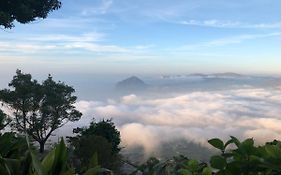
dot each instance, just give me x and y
(54, 163)
(236, 158)
(245, 158)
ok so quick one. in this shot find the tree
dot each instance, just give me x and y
(25, 11)
(104, 128)
(101, 138)
(4, 120)
(39, 109)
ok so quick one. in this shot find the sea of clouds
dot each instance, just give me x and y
(195, 116)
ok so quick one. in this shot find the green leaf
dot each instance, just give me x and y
(247, 146)
(273, 151)
(59, 164)
(218, 162)
(217, 143)
(93, 161)
(184, 172)
(92, 171)
(48, 161)
(193, 165)
(207, 171)
(35, 162)
(235, 141)
(2, 162)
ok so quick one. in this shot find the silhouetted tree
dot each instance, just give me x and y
(106, 129)
(39, 109)
(25, 11)
(101, 138)
(4, 120)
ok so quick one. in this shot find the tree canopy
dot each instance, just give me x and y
(103, 128)
(4, 120)
(101, 138)
(25, 11)
(39, 109)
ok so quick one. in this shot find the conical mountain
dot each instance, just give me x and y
(131, 83)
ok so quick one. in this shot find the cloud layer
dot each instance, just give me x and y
(195, 116)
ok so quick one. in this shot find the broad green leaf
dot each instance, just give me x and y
(35, 162)
(48, 161)
(92, 171)
(228, 143)
(217, 143)
(59, 164)
(235, 141)
(218, 162)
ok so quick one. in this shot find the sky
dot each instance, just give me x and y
(148, 37)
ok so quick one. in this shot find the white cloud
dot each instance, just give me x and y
(60, 42)
(98, 48)
(102, 8)
(24, 47)
(86, 37)
(196, 116)
(136, 134)
(229, 40)
(93, 42)
(230, 24)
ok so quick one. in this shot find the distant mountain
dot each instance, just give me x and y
(228, 74)
(200, 75)
(131, 84)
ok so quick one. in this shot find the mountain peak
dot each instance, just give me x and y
(131, 83)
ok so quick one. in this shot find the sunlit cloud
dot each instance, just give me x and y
(230, 24)
(64, 43)
(229, 40)
(195, 116)
(102, 8)
(63, 38)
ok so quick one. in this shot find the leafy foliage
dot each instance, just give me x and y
(100, 138)
(25, 11)
(180, 165)
(246, 158)
(4, 120)
(54, 163)
(12, 145)
(243, 158)
(39, 109)
(103, 128)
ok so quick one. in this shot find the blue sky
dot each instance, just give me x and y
(148, 37)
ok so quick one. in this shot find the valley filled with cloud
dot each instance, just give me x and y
(193, 116)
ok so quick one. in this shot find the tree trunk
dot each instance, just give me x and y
(42, 147)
